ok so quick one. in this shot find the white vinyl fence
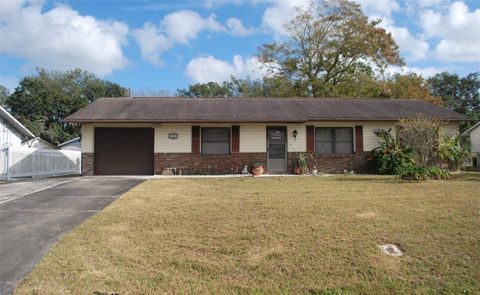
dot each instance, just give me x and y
(25, 162)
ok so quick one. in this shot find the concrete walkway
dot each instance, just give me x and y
(31, 223)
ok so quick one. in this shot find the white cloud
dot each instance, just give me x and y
(279, 13)
(458, 31)
(179, 27)
(184, 25)
(382, 9)
(61, 38)
(152, 43)
(209, 68)
(425, 72)
(414, 48)
(236, 27)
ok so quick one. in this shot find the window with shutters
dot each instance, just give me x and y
(215, 141)
(336, 140)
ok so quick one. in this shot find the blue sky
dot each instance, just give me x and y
(157, 46)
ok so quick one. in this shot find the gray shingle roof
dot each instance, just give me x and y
(172, 109)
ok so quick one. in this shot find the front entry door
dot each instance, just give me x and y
(277, 148)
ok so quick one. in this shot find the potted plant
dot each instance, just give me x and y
(300, 166)
(257, 168)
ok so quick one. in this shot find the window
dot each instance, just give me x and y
(215, 141)
(334, 140)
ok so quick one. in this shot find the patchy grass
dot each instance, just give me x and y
(314, 235)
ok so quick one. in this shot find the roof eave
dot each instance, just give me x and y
(469, 130)
(68, 141)
(112, 121)
(16, 124)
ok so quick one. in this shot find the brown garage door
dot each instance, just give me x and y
(123, 151)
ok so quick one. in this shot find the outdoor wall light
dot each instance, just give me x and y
(295, 133)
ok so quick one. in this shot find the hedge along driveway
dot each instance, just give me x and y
(272, 235)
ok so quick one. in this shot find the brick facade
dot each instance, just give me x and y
(230, 164)
(191, 163)
(87, 164)
(333, 163)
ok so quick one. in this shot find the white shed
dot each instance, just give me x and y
(12, 132)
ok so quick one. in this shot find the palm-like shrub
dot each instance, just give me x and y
(453, 150)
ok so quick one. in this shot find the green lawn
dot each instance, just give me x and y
(314, 235)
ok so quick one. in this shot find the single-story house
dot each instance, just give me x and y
(15, 134)
(222, 135)
(474, 134)
(74, 144)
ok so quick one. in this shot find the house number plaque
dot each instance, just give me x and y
(173, 135)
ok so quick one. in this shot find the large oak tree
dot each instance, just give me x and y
(327, 43)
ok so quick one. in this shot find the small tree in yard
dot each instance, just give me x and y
(419, 134)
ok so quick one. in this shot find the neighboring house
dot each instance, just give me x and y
(474, 134)
(13, 133)
(24, 155)
(221, 135)
(71, 145)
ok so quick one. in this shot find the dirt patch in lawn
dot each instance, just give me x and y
(367, 215)
(273, 235)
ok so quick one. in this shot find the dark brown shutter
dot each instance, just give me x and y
(196, 139)
(235, 139)
(358, 138)
(310, 139)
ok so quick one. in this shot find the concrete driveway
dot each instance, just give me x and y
(31, 223)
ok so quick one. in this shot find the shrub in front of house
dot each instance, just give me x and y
(389, 156)
(414, 172)
(392, 157)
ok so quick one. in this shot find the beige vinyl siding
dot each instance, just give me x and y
(183, 144)
(449, 129)
(87, 138)
(370, 140)
(298, 144)
(253, 139)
